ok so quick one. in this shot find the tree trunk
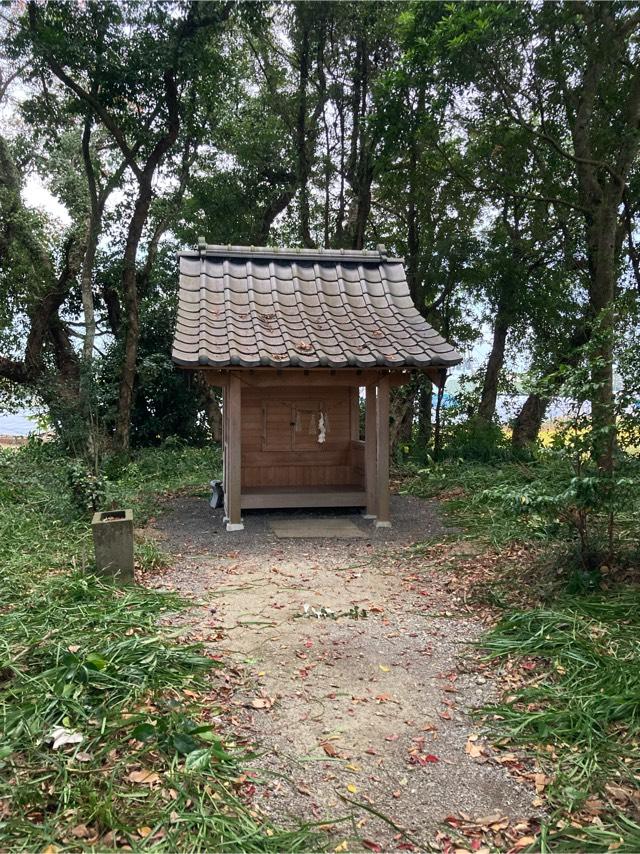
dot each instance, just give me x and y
(437, 432)
(602, 240)
(130, 294)
(425, 409)
(526, 426)
(301, 132)
(488, 399)
(214, 414)
(401, 408)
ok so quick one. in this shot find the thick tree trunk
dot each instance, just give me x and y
(301, 131)
(528, 422)
(401, 410)
(602, 239)
(130, 295)
(488, 399)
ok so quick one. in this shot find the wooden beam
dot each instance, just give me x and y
(288, 377)
(383, 519)
(234, 455)
(271, 498)
(370, 453)
(317, 376)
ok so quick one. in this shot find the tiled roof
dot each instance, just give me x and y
(253, 306)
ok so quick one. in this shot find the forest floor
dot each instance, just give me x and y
(349, 669)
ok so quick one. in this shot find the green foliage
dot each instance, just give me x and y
(587, 706)
(168, 401)
(88, 488)
(473, 496)
(475, 440)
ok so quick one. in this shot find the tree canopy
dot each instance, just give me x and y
(493, 145)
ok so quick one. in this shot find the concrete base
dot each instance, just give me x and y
(113, 544)
(235, 526)
(341, 529)
(382, 524)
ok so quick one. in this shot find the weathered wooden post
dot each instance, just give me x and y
(113, 544)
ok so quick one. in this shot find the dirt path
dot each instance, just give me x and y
(347, 709)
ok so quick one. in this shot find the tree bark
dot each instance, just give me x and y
(488, 399)
(528, 422)
(214, 414)
(425, 409)
(301, 131)
(132, 320)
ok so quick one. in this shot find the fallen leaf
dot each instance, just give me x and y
(372, 846)
(145, 776)
(540, 781)
(60, 736)
(384, 668)
(329, 749)
(351, 788)
(81, 831)
(524, 842)
(473, 749)
(145, 831)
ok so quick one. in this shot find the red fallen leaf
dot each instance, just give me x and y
(391, 737)
(475, 844)
(372, 846)
(405, 846)
(423, 760)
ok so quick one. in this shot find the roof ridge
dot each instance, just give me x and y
(379, 254)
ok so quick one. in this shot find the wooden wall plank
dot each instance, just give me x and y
(354, 394)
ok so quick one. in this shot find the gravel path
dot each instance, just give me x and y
(354, 714)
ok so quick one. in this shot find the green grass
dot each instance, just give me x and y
(578, 710)
(82, 656)
(472, 497)
(586, 708)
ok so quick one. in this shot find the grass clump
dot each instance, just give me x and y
(579, 709)
(474, 497)
(109, 731)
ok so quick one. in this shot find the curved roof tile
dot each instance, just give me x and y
(249, 306)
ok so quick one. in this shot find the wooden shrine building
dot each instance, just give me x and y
(291, 336)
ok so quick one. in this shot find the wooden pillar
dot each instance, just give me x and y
(233, 476)
(383, 518)
(370, 452)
